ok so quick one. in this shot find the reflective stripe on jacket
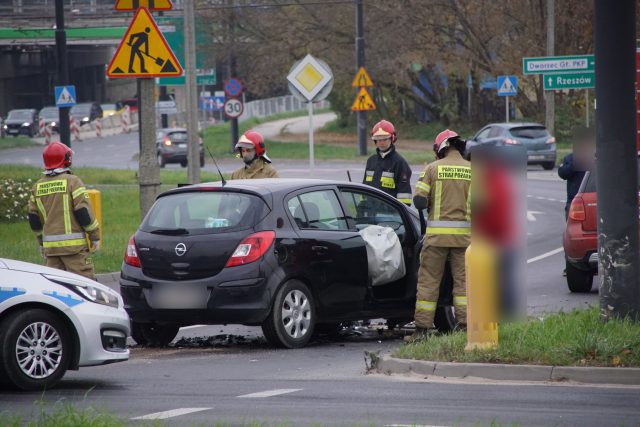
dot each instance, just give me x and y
(446, 184)
(55, 200)
(390, 174)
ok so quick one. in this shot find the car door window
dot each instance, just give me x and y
(317, 210)
(495, 132)
(368, 210)
(483, 134)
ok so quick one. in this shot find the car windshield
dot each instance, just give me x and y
(589, 185)
(108, 106)
(49, 113)
(80, 110)
(204, 212)
(19, 115)
(178, 136)
(530, 132)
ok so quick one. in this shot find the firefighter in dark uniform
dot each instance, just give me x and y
(61, 215)
(387, 170)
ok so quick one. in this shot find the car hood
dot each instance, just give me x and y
(12, 264)
(17, 121)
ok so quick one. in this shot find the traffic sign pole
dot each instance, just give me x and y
(311, 157)
(63, 71)
(361, 115)
(506, 108)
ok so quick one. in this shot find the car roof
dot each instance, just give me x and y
(512, 125)
(31, 110)
(167, 130)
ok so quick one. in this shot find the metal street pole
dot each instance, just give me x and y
(617, 159)
(311, 157)
(235, 134)
(193, 153)
(506, 109)
(586, 105)
(361, 115)
(164, 118)
(149, 170)
(63, 71)
(549, 95)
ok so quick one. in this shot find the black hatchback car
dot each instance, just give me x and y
(21, 122)
(280, 253)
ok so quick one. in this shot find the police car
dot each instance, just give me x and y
(51, 321)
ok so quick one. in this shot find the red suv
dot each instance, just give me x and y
(581, 238)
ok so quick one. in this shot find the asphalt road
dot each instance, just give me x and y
(244, 380)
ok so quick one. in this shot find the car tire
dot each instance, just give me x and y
(444, 319)
(183, 163)
(153, 335)
(44, 365)
(161, 161)
(548, 166)
(293, 315)
(578, 280)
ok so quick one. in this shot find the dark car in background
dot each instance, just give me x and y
(51, 116)
(281, 253)
(171, 144)
(21, 122)
(86, 112)
(540, 144)
(580, 239)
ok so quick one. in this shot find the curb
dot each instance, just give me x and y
(502, 372)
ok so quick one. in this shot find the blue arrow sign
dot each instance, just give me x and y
(65, 96)
(507, 85)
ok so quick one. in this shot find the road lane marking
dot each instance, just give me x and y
(545, 255)
(169, 414)
(270, 393)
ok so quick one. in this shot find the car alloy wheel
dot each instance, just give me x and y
(296, 314)
(292, 319)
(35, 349)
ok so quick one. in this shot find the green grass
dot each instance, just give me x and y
(62, 414)
(578, 338)
(13, 142)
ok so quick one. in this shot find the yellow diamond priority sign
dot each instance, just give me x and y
(143, 51)
(363, 101)
(128, 5)
(309, 77)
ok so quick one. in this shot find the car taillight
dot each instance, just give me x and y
(131, 254)
(166, 141)
(252, 248)
(551, 140)
(577, 211)
(511, 142)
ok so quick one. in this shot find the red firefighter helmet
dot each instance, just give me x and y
(442, 140)
(383, 130)
(253, 139)
(57, 155)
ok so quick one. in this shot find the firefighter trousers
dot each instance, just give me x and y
(432, 265)
(80, 263)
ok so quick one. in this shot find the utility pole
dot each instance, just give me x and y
(193, 154)
(231, 68)
(549, 95)
(617, 160)
(164, 119)
(361, 115)
(63, 71)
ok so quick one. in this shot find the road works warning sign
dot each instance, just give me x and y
(363, 101)
(143, 51)
(454, 172)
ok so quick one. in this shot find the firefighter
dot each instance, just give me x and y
(387, 170)
(445, 191)
(61, 216)
(252, 150)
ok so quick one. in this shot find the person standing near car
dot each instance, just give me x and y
(445, 191)
(61, 215)
(253, 152)
(387, 170)
(575, 164)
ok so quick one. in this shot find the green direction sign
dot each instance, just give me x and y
(172, 30)
(558, 64)
(569, 81)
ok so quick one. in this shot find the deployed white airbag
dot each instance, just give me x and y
(384, 254)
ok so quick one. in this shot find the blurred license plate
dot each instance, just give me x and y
(183, 145)
(177, 297)
(13, 131)
(536, 157)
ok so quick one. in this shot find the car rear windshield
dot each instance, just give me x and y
(19, 115)
(80, 109)
(204, 212)
(178, 137)
(49, 113)
(530, 132)
(589, 184)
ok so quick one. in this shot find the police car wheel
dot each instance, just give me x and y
(35, 349)
(293, 315)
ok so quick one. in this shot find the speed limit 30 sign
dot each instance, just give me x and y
(233, 108)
